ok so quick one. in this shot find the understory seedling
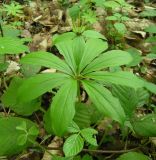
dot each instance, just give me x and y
(13, 9)
(84, 68)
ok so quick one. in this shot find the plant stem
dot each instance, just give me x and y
(41, 147)
(1, 29)
(100, 151)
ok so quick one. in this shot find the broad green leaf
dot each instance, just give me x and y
(63, 37)
(9, 31)
(143, 96)
(9, 135)
(3, 66)
(151, 39)
(33, 131)
(151, 29)
(148, 13)
(104, 101)
(145, 126)
(10, 45)
(62, 109)
(37, 85)
(89, 135)
(78, 48)
(121, 78)
(82, 115)
(151, 56)
(151, 87)
(73, 145)
(133, 155)
(111, 18)
(120, 27)
(73, 127)
(9, 99)
(74, 11)
(111, 4)
(93, 48)
(66, 49)
(109, 59)
(136, 57)
(46, 59)
(127, 97)
(93, 34)
(130, 98)
(29, 70)
(22, 139)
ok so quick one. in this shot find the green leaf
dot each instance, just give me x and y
(9, 31)
(121, 78)
(111, 4)
(136, 57)
(39, 85)
(29, 70)
(78, 49)
(151, 29)
(9, 135)
(148, 13)
(66, 49)
(22, 126)
(33, 131)
(93, 48)
(127, 97)
(143, 96)
(22, 139)
(151, 56)
(9, 99)
(63, 37)
(62, 109)
(120, 27)
(133, 155)
(151, 39)
(10, 45)
(104, 101)
(73, 127)
(109, 59)
(46, 59)
(82, 116)
(88, 134)
(73, 145)
(145, 126)
(151, 87)
(93, 34)
(112, 18)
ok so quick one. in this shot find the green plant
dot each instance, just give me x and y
(79, 71)
(133, 155)
(83, 15)
(151, 39)
(116, 16)
(14, 9)
(11, 133)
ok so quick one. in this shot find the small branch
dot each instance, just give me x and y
(99, 151)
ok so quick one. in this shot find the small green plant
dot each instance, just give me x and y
(83, 15)
(82, 69)
(14, 9)
(116, 16)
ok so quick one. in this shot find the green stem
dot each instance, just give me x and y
(78, 91)
(1, 29)
(42, 109)
(41, 147)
